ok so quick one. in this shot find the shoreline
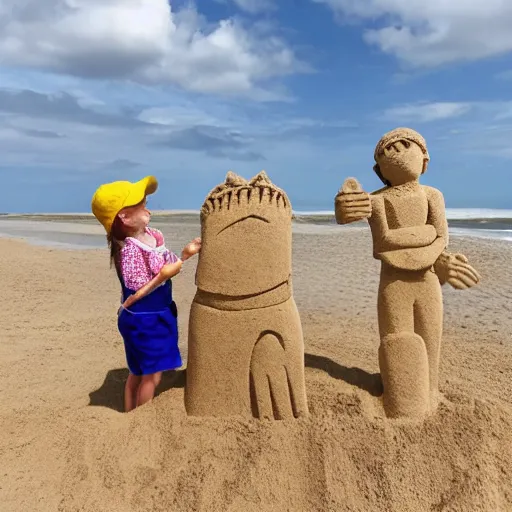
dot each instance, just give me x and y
(452, 214)
(68, 246)
(76, 235)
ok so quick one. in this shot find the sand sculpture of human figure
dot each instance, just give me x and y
(410, 236)
(245, 345)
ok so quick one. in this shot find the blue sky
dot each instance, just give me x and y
(94, 91)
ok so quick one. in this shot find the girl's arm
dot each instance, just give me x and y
(166, 272)
(133, 266)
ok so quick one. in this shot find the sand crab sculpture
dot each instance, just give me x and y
(246, 351)
(410, 236)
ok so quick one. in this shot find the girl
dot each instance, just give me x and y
(147, 318)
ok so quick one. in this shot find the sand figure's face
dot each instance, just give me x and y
(246, 237)
(401, 156)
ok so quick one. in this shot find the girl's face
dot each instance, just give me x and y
(137, 217)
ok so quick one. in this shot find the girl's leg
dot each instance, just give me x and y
(147, 387)
(130, 391)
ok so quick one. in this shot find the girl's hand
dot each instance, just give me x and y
(191, 249)
(166, 272)
(129, 301)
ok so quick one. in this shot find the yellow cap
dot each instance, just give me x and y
(110, 198)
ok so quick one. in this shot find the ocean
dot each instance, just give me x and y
(81, 231)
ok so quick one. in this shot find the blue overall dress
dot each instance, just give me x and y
(150, 331)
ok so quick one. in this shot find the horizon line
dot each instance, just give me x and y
(469, 213)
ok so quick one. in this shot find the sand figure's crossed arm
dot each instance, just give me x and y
(353, 204)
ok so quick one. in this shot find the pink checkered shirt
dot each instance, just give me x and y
(140, 262)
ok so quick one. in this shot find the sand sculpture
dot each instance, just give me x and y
(410, 236)
(245, 346)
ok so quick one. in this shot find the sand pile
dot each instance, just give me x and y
(345, 457)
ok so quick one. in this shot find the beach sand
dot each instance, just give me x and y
(66, 446)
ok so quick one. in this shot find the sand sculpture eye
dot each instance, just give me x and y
(396, 147)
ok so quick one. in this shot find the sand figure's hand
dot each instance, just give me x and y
(352, 203)
(455, 270)
(191, 249)
(276, 385)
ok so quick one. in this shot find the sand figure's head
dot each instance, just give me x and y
(246, 237)
(401, 156)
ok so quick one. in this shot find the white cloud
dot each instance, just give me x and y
(188, 114)
(436, 32)
(505, 112)
(185, 114)
(492, 140)
(478, 127)
(426, 112)
(144, 41)
(505, 75)
(254, 6)
(491, 112)
(113, 131)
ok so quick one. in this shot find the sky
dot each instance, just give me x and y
(93, 91)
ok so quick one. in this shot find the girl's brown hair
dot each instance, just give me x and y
(116, 238)
(115, 241)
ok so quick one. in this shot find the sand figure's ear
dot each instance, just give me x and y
(260, 179)
(376, 169)
(233, 180)
(425, 164)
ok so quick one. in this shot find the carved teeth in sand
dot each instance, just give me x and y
(237, 191)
